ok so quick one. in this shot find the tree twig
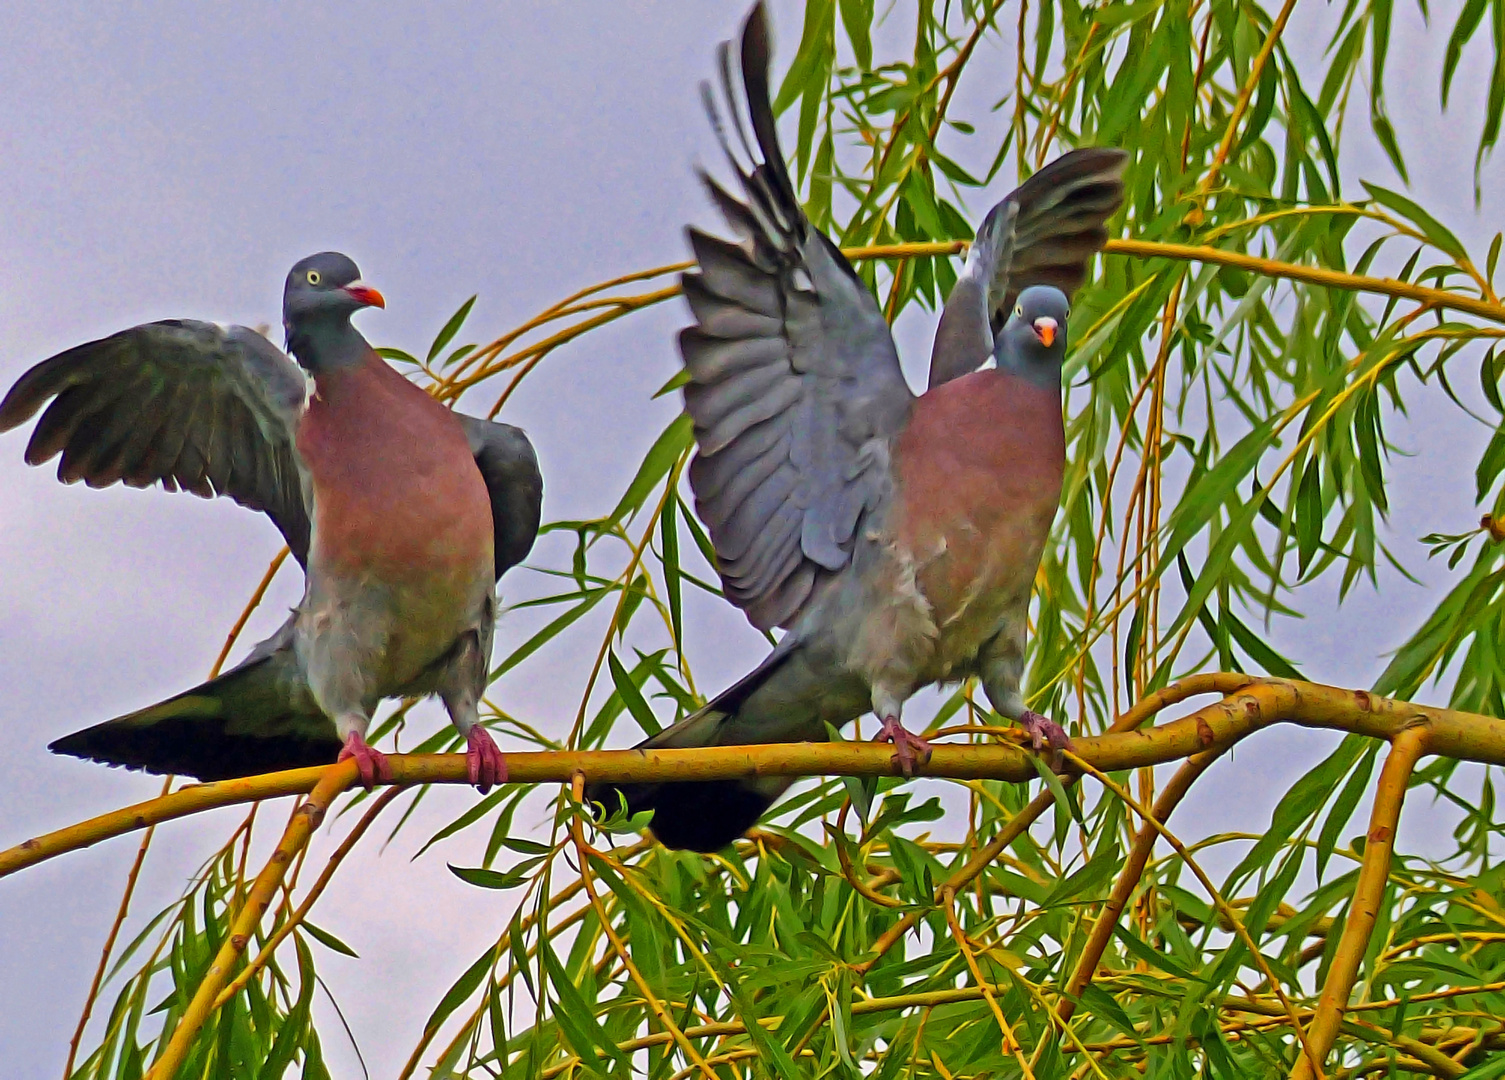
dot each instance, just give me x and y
(1374, 874)
(332, 781)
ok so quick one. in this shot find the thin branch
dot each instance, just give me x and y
(296, 918)
(1311, 275)
(1129, 877)
(109, 945)
(1246, 94)
(1374, 874)
(585, 851)
(332, 780)
(146, 840)
(1224, 908)
(245, 614)
(488, 360)
(1010, 1043)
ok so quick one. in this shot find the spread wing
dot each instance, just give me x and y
(195, 406)
(794, 383)
(1043, 233)
(510, 468)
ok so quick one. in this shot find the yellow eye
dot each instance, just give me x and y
(1019, 310)
(313, 277)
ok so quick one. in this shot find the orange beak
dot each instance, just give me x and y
(1045, 330)
(362, 293)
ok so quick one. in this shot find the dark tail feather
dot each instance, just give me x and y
(253, 719)
(704, 815)
(708, 816)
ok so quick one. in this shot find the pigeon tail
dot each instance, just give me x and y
(255, 718)
(707, 815)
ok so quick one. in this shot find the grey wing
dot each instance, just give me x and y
(510, 468)
(1045, 232)
(192, 405)
(794, 383)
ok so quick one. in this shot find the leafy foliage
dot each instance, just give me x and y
(1227, 448)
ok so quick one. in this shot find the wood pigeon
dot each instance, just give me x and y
(895, 537)
(402, 513)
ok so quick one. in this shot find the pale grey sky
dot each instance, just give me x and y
(174, 159)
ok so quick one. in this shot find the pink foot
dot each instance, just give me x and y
(909, 749)
(372, 764)
(484, 763)
(1045, 732)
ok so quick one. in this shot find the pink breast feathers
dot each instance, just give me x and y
(979, 471)
(396, 488)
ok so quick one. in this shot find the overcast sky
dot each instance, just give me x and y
(175, 159)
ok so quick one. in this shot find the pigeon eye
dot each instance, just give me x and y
(313, 277)
(1019, 310)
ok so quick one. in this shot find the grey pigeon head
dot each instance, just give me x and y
(1033, 341)
(321, 294)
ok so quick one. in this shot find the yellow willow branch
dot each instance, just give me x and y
(868, 891)
(626, 578)
(1374, 873)
(109, 945)
(1311, 275)
(444, 389)
(245, 614)
(295, 919)
(929, 999)
(1427, 1058)
(1255, 956)
(1219, 682)
(1400, 228)
(1010, 1043)
(1129, 877)
(1212, 682)
(1484, 937)
(484, 362)
(621, 306)
(618, 946)
(503, 944)
(1046, 132)
(1451, 733)
(1089, 615)
(1439, 1062)
(146, 841)
(1245, 96)
(332, 780)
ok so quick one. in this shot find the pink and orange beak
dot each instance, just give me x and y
(365, 295)
(1045, 330)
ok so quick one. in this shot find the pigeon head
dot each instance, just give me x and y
(321, 294)
(1033, 341)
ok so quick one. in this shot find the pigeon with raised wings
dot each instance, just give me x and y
(402, 513)
(895, 537)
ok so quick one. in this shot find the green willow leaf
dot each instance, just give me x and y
(451, 328)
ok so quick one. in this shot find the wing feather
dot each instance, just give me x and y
(795, 389)
(191, 405)
(509, 466)
(1045, 232)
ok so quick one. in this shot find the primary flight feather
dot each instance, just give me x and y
(895, 537)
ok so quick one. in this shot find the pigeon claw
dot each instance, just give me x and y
(1045, 732)
(484, 764)
(909, 749)
(373, 764)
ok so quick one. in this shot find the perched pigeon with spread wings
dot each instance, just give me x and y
(895, 537)
(402, 514)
